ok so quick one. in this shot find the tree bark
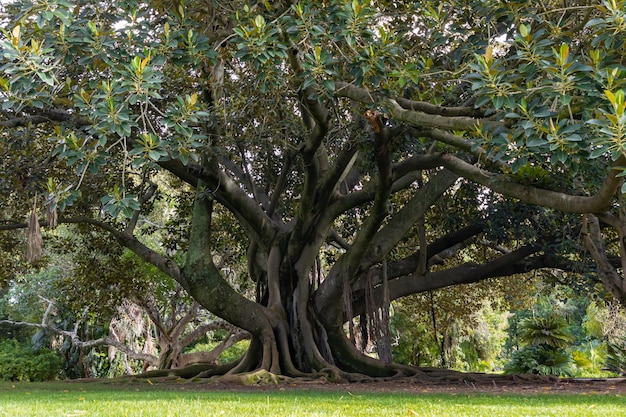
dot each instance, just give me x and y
(612, 280)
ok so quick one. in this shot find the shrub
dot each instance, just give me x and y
(545, 353)
(550, 331)
(18, 362)
(537, 359)
(616, 358)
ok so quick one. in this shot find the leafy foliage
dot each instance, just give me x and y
(540, 360)
(616, 358)
(321, 145)
(550, 331)
(546, 338)
(18, 362)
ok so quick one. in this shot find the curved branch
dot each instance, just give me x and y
(246, 180)
(458, 142)
(204, 282)
(164, 264)
(509, 264)
(76, 341)
(180, 326)
(612, 280)
(398, 225)
(186, 359)
(361, 95)
(228, 193)
(403, 174)
(45, 116)
(416, 163)
(421, 119)
(434, 253)
(597, 203)
(200, 331)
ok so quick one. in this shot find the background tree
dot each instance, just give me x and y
(328, 132)
(130, 313)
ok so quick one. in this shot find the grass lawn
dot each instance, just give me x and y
(97, 399)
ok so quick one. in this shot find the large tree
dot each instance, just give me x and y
(352, 146)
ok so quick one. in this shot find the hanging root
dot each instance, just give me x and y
(52, 217)
(34, 241)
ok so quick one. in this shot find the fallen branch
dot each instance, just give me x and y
(76, 340)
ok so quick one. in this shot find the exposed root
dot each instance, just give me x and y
(332, 375)
(231, 374)
(258, 377)
(202, 370)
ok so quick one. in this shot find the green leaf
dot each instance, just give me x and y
(595, 22)
(92, 26)
(536, 141)
(481, 101)
(46, 78)
(542, 113)
(574, 138)
(524, 30)
(498, 102)
(154, 155)
(564, 52)
(259, 21)
(566, 99)
(596, 122)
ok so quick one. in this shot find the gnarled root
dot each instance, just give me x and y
(258, 377)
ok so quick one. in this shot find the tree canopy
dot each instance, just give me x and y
(345, 149)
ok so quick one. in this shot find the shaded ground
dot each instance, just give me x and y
(513, 385)
(615, 386)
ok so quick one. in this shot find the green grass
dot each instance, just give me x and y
(97, 399)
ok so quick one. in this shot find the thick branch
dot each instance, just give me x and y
(45, 116)
(342, 166)
(364, 96)
(246, 180)
(597, 203)
(329, 293)
(204, 282)
(401, 221)
(228, 193)
(379, 210)
(425, 120)
(408, 265)
(612, 280)
(506, 265)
